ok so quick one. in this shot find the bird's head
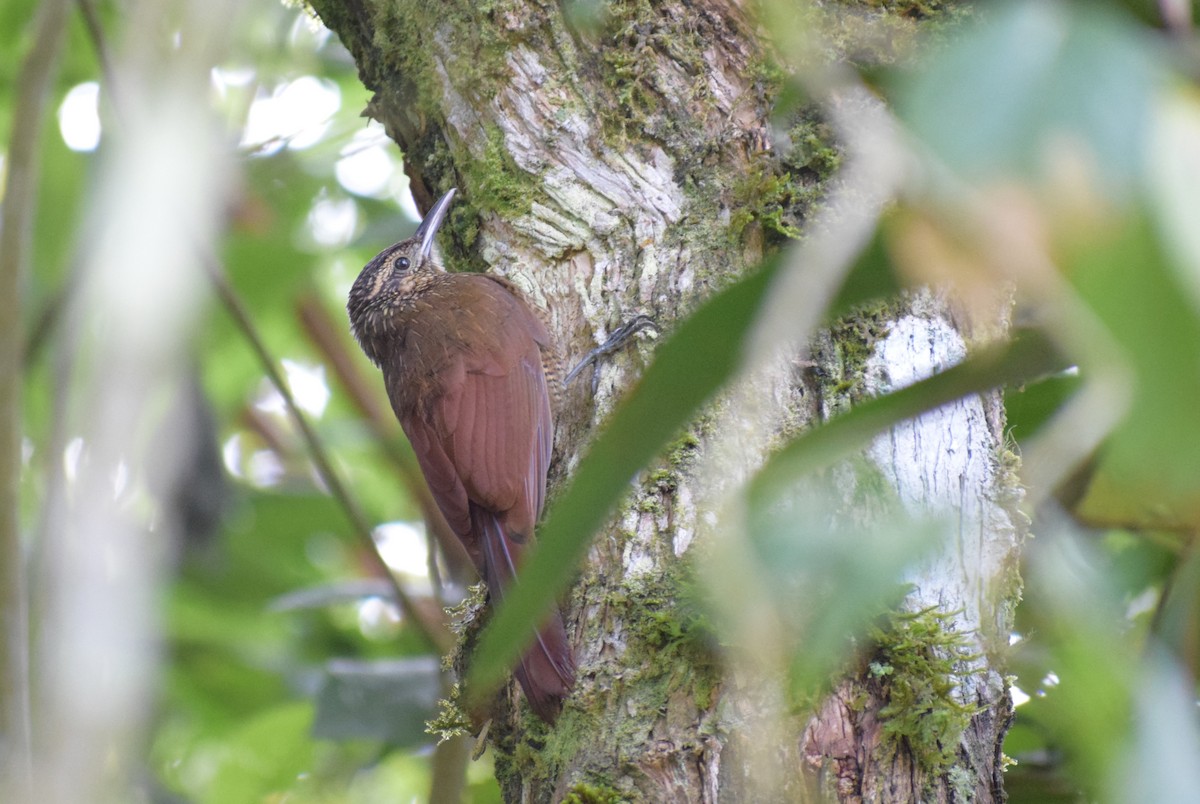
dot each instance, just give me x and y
(393, 275)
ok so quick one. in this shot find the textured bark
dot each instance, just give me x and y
(624, 167)
(951, 463)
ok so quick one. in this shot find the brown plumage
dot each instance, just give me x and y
(464, 360)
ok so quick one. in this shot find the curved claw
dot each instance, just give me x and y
(615, 341)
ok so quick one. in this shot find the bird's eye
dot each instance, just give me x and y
(402, 263)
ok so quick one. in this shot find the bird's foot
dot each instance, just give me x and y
(619, 338)
(480, 742)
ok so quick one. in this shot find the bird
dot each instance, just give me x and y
(470, 370)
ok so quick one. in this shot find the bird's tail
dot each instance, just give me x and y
(547, 670)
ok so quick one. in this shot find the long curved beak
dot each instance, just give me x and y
(433, 221)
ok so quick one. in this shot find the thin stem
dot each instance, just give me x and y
(95, 30)
(46, 321)
(16, 231)
(449, 770)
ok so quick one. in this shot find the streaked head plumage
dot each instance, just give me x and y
(393, 276)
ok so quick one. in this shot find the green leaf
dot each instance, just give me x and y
(822, 576)
(1034, 76)
(1148, 470)
(264, 756)
(388, 700)
(1075, 612)
(1179, 623)
(1027, 407)
(870, 279)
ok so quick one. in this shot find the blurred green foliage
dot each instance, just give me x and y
(253, 704)
(1047, 114)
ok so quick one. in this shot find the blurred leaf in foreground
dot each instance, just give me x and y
(388, 701)
(1122, 715)
(808, 577)
(1032, 83)
(1148, 470)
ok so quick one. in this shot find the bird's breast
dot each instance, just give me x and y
(463, 323)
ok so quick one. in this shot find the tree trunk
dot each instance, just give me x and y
(619, 159)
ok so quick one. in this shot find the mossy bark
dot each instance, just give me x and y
(617, 163)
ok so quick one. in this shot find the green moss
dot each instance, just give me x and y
(918, 662)
(664, 481)
(812, 148)
(465, 620)
(403, 33)
(464, 617)
(766, 198)
(411, 99)
(681, 453)
(532, 753)
(780, 192)
(1004, 595)
(650, 504)
(495, 181)
(451, 719)
(594, 794)
(873, 498)
(1008, 477)
(852, 340)
(671, 636)
(874, 33)
(962, 783)
(669, 669)
(914, 9)
(634, 34)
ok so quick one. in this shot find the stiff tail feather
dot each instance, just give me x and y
(547, 670)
